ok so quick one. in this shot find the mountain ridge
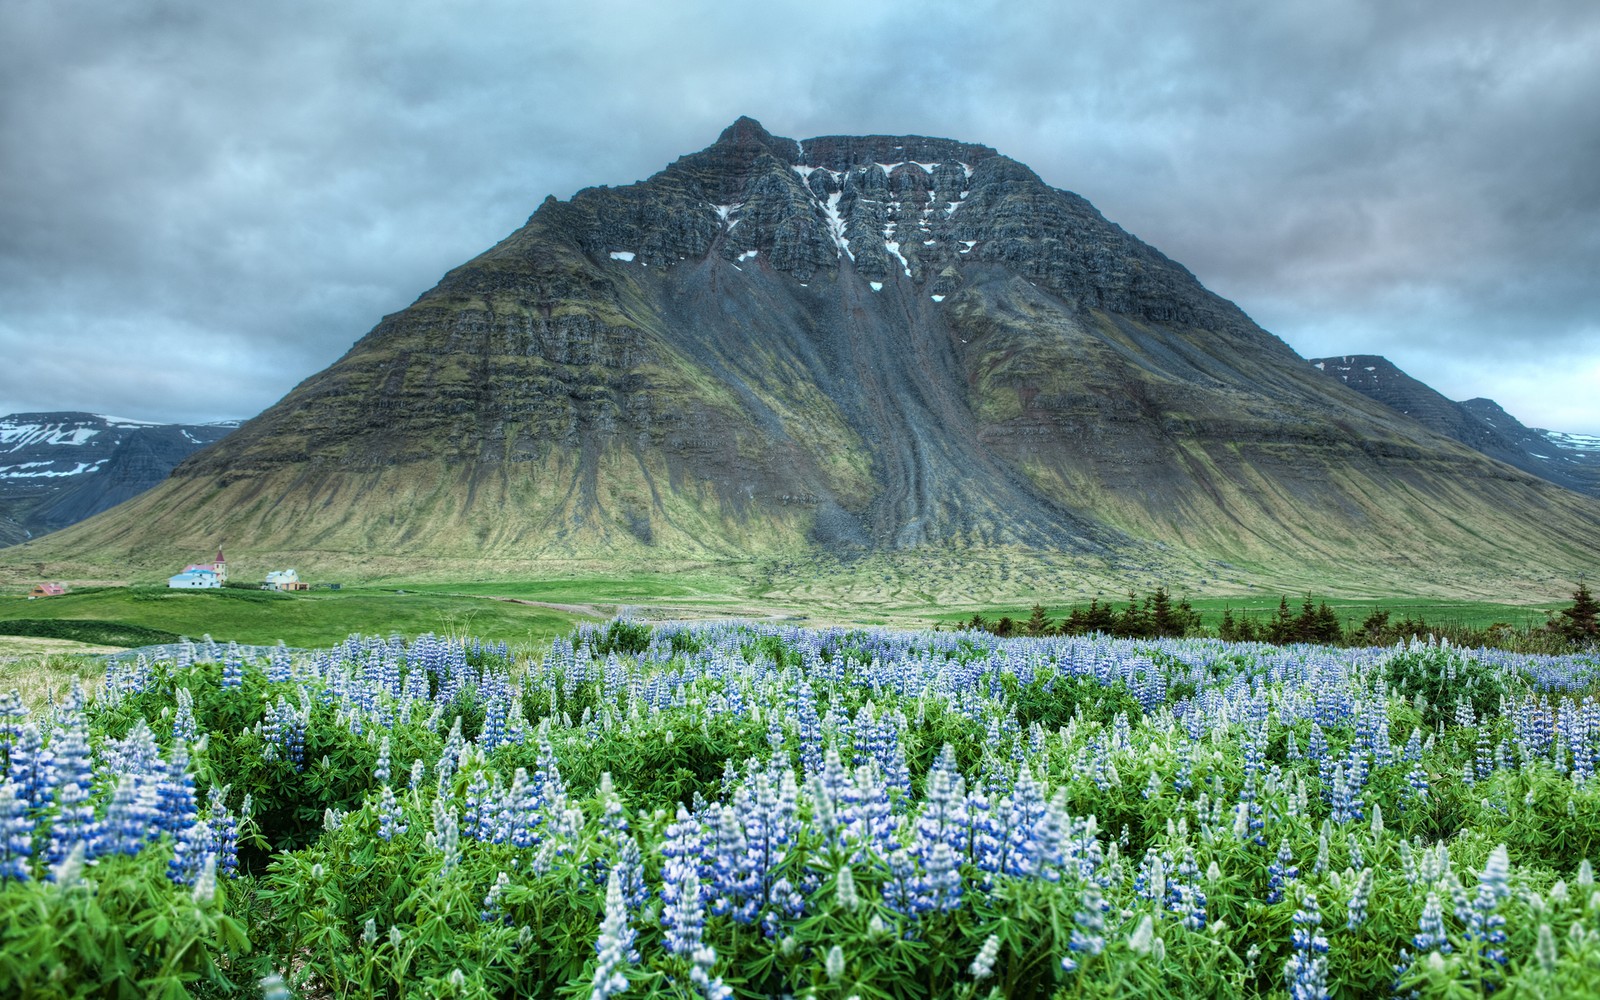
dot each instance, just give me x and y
(61, 467)
(1480, 424)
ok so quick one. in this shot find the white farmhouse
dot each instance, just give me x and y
(283, 579)
(195, 579)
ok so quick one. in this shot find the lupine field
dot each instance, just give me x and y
(743, 810)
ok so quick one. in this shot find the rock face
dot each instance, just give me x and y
(829, 348)
(57, 469)
(1480, 424)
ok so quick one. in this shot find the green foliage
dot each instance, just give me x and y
(118, 929)
(1436, 677)
(620, 636)
(98, 633)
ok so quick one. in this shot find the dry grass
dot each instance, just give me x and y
(40, 668)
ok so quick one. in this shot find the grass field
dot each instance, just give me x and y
(1474, 614)
(529, 613)
(315, 618)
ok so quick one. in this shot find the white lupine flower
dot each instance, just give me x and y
(846, 890)
(833, 965)
(1544, 950)
(1143, 936)
(983, 965)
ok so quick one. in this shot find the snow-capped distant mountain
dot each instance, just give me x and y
(1586, 445)
(58, 468)
(1570, 460)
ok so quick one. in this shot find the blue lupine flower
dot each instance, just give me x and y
(176, 792)
(683, 912)
(615, 944)
(1307, 969)
(1430, 934)
(16, 831)
(1281, 872)
(31, 766)
(184, 729)
(1485, 923)
(390, 818)
(1357, 907)
(74, 820)
(1089, 926)
(380, 771)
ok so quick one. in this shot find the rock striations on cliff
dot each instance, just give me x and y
(825, 348)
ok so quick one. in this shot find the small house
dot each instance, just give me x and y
(195, 578)
(284, 579)
(48, 590)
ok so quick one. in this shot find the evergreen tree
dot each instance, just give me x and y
(1281, 629)
(1228, 630)
(1305, 625)
(1037, 624)
(1581, 622)
(1375, 628)
(1100, 617)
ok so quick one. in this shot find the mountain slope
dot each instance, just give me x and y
(902, 350)
(1480, 424)
(59, 468)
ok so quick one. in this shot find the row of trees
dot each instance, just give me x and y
(1157, 615)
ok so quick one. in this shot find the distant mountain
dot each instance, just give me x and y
(1480, 424)
(58, 468)
(805, 360)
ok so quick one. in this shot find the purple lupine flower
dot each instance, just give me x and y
(390, 818)
(16, 831)
(1281, 872)
(615, 944)
(32, 766)
(1306, 972)
(175, 792)
(74, 820)
(1089, 927)
(1430, 934)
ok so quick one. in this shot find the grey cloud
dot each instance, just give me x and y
(230, 195)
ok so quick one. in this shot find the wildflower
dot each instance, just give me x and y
(1089, 930)
(615, 944)
(1356, 911)
(833, 964)
(1430, 927)
(845, 889)
(1143, 936)
(273, 988)
(983, 965)
(16, 832)
(1306, 972)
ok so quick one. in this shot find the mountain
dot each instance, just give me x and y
(1480, 424)
(58, 468)
(872, 365)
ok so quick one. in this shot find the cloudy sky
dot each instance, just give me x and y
(203, 203)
